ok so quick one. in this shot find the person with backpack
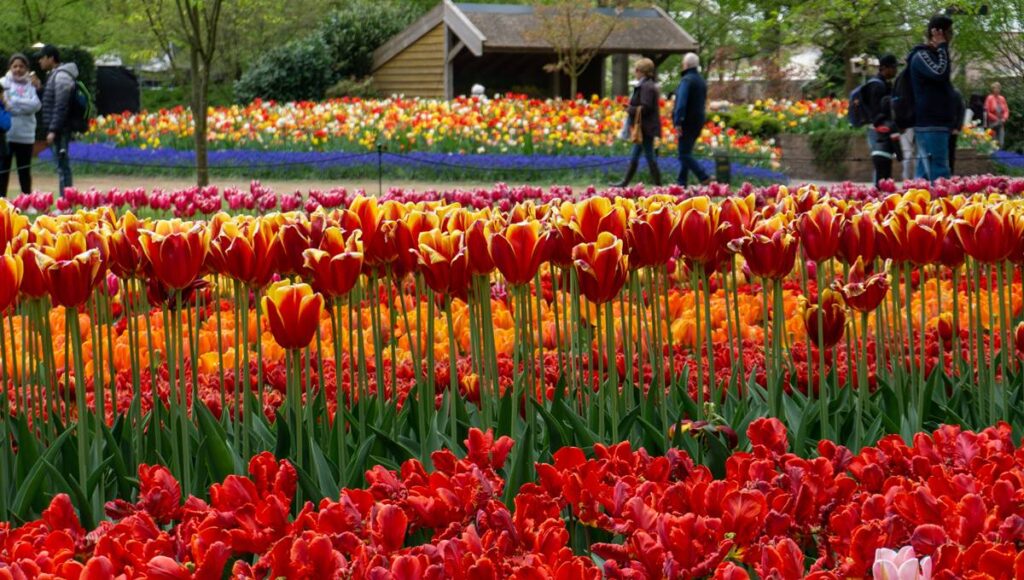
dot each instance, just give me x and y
(22, 102)
(59, 98)
(875, 112)
(933, 99)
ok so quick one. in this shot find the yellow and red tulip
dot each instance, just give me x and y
(293, 313)
(601, 267)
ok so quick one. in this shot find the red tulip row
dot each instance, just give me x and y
(955, 496)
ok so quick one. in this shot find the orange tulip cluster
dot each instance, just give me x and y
(359, 285)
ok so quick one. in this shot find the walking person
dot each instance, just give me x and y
(908, 148)
(997, 113)
(934, 100)
(883, 139)
(57, 95)
(22, 101)
(645, 101)
(688, 118)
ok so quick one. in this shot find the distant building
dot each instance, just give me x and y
(454, 46)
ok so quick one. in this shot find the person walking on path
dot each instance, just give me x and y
(57, 95)
(934, 100)
(645, 100)
(22, 101)
(883, 140)
(688, 118)
(997, 113)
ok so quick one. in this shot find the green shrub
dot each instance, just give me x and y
(757, 124)
(221, 94)
(352, 87)
(831, 146)
(1014, 93)
(340, 48)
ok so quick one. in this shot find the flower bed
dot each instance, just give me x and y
(631, 515)
(369, 335)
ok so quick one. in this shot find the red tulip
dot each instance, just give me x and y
(293, 312)
(987, 234)
(12, 270)
(698, 223)
(769, 249)
(820, 229)
(601, 267)
(857, 238)
(71, 282)
(336, 274)
(443, 262)
(176, 251)
(519, 251)
(833, 319)
(653, 237)
(863, 292)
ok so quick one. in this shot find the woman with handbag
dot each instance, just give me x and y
(645, 124)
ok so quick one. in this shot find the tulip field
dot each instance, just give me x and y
(521, 382)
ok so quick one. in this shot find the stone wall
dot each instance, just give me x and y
(798, 161)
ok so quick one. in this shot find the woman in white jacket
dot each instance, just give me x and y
(22, 101)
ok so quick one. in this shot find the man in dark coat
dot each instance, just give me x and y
(57, 95)
(935, 105)
(688, 117)
(882, 137)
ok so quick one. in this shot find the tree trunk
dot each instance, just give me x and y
(573, 82)
(200, 86)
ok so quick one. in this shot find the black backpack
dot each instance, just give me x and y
(81, 109)
(903, 100)
(857, 111)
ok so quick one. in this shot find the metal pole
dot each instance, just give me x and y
(380, 170)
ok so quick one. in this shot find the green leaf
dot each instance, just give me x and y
(522, 465)
(31, 486)
(584, 437)
(323, 471)
(357, 465)
(222, 461)
(283, 447)
(80, 499)
(555, 431)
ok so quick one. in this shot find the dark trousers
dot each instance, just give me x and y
(16, 157)
(647, 148)
(687, 162)
(60, 156)
(953, 138)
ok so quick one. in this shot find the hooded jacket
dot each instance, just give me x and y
(23, 104)
(934, 100)
(57, 94)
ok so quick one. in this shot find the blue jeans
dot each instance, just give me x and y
(61, 157)
(687, 162)
(932, 153)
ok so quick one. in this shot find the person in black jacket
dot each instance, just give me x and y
(934, 98)
(646, 99)
(57, 95)
(883, 140)
(688, 117)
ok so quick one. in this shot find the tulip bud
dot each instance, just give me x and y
(1018, 338)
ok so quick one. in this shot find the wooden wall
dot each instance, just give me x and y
(418, 71)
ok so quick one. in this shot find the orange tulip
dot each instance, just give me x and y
(698, 224)
(1018, 338)
(820, 229)
(70, 282)
(592, 216)
(293, 313)
(863, 292)
(11, 272)
(988, 235)
(601, 267)
(519, 251)
(769, 249)
(374, 235)
(336, 274)
(176, 250)
(405, 239)
(443, 262)
(833, 319)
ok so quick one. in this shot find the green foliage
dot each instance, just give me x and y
(756, 124)
(352, 87)
(81, 57)
(221, 94)
(340, 48)
(830, 146)
(1014, 93)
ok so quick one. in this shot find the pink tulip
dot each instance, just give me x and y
(902, 565)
